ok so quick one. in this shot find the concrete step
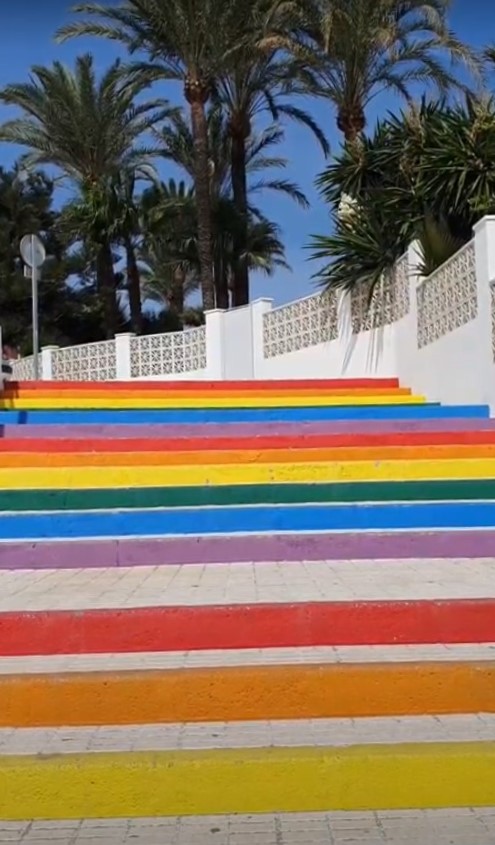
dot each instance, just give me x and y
(247, 767)
(467, 826)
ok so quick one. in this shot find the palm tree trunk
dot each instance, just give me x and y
(351, 121)
(134, 287)
(239, 190)
(176, 297)
(203, 200)
(221, 284)
(105, 280)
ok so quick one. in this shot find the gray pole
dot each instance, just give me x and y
(34, 279)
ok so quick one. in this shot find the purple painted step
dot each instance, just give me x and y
(283, 547)
(243, 429)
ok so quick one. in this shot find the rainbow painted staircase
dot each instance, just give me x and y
(223, 598)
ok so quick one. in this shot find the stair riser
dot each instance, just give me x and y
(285, 548)
(201, 522)
(248, 415)
(247, 781)
(168, 497)
(237, 430)
(188, 628)
(247, 693)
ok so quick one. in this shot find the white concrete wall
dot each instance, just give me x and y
(458, 367)
(455, 365)
(368, 354)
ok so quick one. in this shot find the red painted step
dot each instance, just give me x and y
(247, 626)
(13, 388)
(191, 444)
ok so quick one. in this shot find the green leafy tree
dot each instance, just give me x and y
(427, 174)
(26, 206)
(92, 131)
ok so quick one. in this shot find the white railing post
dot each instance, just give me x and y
(214, 322)
(406, 336)
(484, 250)
(123, 355)
(259, 308)
(46, 360)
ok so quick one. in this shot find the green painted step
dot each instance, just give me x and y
(245, 494)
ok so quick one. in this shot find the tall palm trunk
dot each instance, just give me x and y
(221, 283)
(133, 287)
(239, 190)
(105, 280)
(197, 95)
(176, 296)
(351, 121)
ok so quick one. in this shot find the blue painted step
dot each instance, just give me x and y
(246, 415)
(235, 520)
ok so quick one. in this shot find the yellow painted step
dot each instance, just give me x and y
(310, 473)
(110, 403)
(209, 782)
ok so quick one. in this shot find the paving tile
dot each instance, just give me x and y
(213, 735)
(408, 827)
(236, 583)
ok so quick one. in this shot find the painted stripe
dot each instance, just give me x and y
(247, 626)
(210, 402)
(128, 662)
(397, 546)
(252, 584)
(243, 415)
(298, 455)
(208, 782)
(196, 393)
(459, 439)
(246, 693)
(260, 384)
(255, 519)
(250, 494)
(234, 474)
(26, 432)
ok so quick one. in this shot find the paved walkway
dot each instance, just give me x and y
(281, 733)
(305, 655)
(246, 583)
(415, 827)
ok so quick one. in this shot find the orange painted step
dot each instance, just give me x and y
(214, 444)
(240, 456)
(234, 693)
(52, 393)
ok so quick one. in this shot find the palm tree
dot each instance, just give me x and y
(168, 278)
(91, 130)
(169, 248)
(176, 144)
(262, 80)
(357, 48)
(191, 41)
(130, 225)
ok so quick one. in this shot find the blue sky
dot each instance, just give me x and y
(26, 38)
